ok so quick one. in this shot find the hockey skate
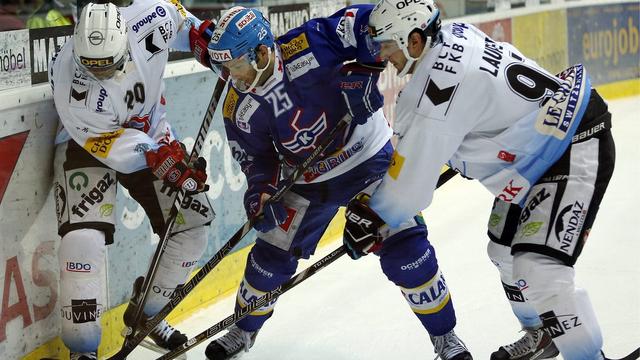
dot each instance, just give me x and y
(165, 337)
(230, 345)
(449, 347)
(84, 356)
(535, 344)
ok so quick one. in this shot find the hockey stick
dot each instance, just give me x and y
(273, 294)
(181, 292)
(129, 342)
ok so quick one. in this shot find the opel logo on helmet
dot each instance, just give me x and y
(96, 38)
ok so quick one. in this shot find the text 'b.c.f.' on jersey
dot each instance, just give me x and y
(120, 118)
(484, 109)
(287, 117)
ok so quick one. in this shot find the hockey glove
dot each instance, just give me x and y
(360, 90)
(362, 230)
(168, 164)
(267, 214)
(199, 40)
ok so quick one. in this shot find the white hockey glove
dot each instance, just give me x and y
(362, 231)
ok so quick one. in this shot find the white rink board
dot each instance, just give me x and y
(350, 311)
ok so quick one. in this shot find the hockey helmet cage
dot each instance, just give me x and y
(394, 20)
(100, 43)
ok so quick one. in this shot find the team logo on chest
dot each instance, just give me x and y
(305, 138)
(142, 123)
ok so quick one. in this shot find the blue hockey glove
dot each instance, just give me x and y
(362, 230)
(267, 214)
(360, 90)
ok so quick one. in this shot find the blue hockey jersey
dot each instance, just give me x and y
(282, 121)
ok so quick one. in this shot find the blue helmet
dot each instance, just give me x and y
(239, 31)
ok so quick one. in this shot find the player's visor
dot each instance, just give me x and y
(241, 72)
(380, 50)
(102, 69)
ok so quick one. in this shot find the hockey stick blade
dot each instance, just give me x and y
(129, 343)
(179, 294)
(633, 356)
(273, 294)
(258, 303)
(150, 345)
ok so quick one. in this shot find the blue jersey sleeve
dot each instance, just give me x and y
(246, 125)
(332, 40)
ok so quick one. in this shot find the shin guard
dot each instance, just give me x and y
(408, 260)
(267, 268)
(82, 288)
(180, 257)
(566, 312)
(501, 257)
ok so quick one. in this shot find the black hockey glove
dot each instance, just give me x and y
(362, 231)
(359, 87)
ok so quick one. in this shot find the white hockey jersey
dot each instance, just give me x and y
(118, 119)
(484, 109)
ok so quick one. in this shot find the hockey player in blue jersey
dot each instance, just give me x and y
(540, 143)
(284, 96)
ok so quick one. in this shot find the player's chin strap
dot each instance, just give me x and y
(273, 294)
(259, 72)
(412, 60)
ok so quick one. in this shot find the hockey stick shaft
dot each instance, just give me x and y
(181, 292)
(273, 294)
(258, 303)
(129, 343)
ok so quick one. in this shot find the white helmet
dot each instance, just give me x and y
(396, 19)
(100, 43)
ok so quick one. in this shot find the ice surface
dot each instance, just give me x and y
(350, 311)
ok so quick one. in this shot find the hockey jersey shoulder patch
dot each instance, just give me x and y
(239, 110)
(229, 105)
(437, 96)
(294, 46)
(157, 40)
(346, 28)
(397, 162)
(301, 66)
(245, 111)
(144, 22)
(100, 146)
(179, 7)
(80, 90)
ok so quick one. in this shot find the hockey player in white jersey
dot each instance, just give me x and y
(108, 90)
(540, 143)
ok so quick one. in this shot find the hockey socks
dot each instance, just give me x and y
(566, 312)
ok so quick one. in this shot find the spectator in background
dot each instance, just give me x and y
(49, 13)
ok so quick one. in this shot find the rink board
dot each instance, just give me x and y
(29, 320)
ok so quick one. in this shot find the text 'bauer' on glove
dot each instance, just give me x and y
(359, 87)
(266, 214)
(168, 163)
(361, 234)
